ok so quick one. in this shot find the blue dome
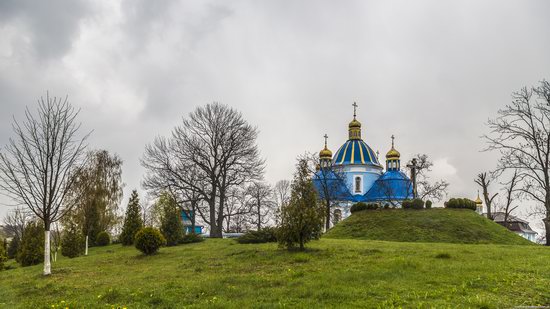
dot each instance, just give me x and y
(394, 185)
(355, 151)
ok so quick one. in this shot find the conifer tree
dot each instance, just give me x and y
(3, 256)
(13, 247)
(171, 223)
(31, 249)
(132, 222)
(302, 218)
(72, 243)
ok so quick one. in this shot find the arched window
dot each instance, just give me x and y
(358, 184)
(337, 216)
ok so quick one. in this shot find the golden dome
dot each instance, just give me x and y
(354, 124)
(478, 200)
(393, 154)
(325, 153)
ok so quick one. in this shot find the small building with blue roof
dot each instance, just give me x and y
(354, 174)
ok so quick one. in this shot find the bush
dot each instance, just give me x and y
(268, 234)
(13, 247)
(72, 242)
(387, 206)
(31, 249)
(102, 239)
(191, 238)
(358, 207)
(148, 240)
(3, 256)
(413, 204)
(461, 203)
(428, 204)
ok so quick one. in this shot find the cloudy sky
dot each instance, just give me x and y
(430, 72)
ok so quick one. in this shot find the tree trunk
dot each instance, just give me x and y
(327, 223)
(547, 227)
(47, 261)
(86, 250)
(259, 217)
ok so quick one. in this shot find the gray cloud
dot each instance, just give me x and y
(430, 72)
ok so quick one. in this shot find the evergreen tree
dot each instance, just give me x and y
(31, 249)
(13, 247)
(132, 222)
(3, 257)
(171, 223)
(72, 243)
(302, 218)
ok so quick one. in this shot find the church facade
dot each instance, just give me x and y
(355, 174)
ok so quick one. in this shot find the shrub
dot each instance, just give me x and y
(387, 206)
(358, 207)
(132, 221)
(171, 224)
(413, 204)
(3, 256)
(148, 240)
(103, 239)
(461, 203)
(191, 238)
(417, 204)
(13, 247)
(268, 234)
(31, 249)
(72, 242)
(428, 204)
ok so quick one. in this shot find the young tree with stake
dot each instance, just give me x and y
(37, 165)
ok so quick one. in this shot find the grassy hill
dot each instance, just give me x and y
(332, 273)
(429, 225)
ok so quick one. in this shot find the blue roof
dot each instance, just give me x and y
(392, 185)
(355, 151)
(327, 180)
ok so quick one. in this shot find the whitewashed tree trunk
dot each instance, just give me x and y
(86, 251)
(47, 263)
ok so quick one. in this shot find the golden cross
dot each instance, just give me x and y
(326, 137)
(392, 139)
(354, 109)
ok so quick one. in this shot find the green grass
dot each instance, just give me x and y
(332, 273)
(429, 225)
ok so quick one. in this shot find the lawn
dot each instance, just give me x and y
(332, 273)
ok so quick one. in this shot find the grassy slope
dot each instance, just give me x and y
(222, 273)
(430, 225)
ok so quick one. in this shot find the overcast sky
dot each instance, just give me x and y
(430, 72)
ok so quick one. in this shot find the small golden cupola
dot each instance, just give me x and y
(393, 157)
(325, 155)
(479, 204)
(354, 126)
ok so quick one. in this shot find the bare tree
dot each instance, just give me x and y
(426, 189)
(237, 211)
(261, 202)
(510, 190)
(211, 152)
(484, 180)
(521, 133)
(15, 222)
(281, 191)
(37, 165)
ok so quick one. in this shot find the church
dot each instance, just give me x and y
(355, 174)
